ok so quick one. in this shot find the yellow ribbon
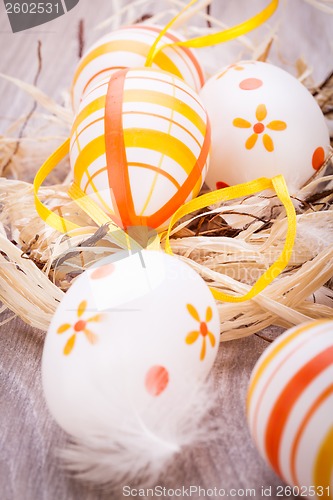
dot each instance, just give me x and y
(121, 238)
(59, 223)
(214, 38)
(118, 235)
(248, 188)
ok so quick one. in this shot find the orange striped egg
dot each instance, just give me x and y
(128, 47)
(290, 408)
(140, 145)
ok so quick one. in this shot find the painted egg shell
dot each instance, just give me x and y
(140, 145)
(290, 406)
(128, 47)
(127, 334)
(264, 123)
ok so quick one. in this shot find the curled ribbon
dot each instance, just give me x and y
(91, 208)
(121, 238)
(214, 38)
(278, 184)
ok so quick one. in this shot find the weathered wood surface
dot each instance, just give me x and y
(29, 438)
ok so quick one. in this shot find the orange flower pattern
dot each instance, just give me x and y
(259, 128)
(203, 329)
(79, 326)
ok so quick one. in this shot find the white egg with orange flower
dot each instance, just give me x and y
(264, 123)
(128, 333)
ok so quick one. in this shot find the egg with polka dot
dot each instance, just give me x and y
(264, 123)
(130, 333)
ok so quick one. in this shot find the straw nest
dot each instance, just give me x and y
(229, 245)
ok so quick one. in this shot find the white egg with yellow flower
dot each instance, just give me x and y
(128, 334)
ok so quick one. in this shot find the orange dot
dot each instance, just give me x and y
(221, 185)
(318, 158)
(250, 84)
(203, 328)
(157, 379)
(259, 128)
(80, 325)
(103, 271)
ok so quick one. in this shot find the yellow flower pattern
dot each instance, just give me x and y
(259, 128)
(202, 331)
(236, 67)
(79, 326)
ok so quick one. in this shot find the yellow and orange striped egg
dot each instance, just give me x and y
(140, 146)
(290, 408)
(128, 47)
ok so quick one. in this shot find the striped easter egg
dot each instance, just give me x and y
(128, 47)
(290, 408)
(140, 146)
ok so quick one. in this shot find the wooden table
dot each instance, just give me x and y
(29, 438)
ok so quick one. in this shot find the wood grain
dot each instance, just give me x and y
(29, 469)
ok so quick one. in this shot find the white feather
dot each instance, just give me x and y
(315, 230)
(136, 449)
(323, 296)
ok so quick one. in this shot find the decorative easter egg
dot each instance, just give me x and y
(140, 146)
(290, 408)
(264, 123)
(128, 47)
(128, 334)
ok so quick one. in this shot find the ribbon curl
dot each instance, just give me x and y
(120, 237)
(214, 38)
(278, 184)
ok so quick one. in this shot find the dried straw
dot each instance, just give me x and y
(229, 245)
(323, 5)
